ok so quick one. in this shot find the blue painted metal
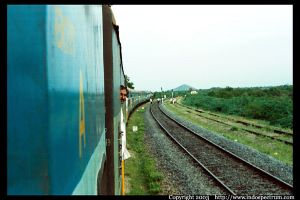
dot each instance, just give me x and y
(28, 170)
(48, 48)
(116, 109)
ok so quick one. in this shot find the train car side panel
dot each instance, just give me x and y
(27, 99)
(109, 166)
(117, 108)
(64, 76)
(76, 93)
(112, 62)
(56, 95)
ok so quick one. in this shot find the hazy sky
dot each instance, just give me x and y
(206, 46)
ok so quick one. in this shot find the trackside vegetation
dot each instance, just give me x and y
(140, 172)
(274, 105)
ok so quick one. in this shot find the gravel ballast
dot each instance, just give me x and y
(182, 176)
(269, 164)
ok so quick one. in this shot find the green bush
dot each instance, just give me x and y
(272, 104)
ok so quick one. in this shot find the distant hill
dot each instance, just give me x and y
(184, 87)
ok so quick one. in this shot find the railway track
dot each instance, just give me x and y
(275, 130)
(274, 137)
(233, 173)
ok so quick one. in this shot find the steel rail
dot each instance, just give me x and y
(250, 131)
(221, 148)
(228, 152)
(193, 157)
(237, 121)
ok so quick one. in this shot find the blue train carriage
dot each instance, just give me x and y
(136, 98)
(56, 88)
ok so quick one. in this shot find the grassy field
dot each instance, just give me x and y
(141, 175)
(276, 149)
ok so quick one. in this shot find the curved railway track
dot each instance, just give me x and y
(236, 175)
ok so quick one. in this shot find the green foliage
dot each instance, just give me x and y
(128, 83)
(233, 128)
(273, 104)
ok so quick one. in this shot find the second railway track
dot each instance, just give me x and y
(274, 137)
(233, 173)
